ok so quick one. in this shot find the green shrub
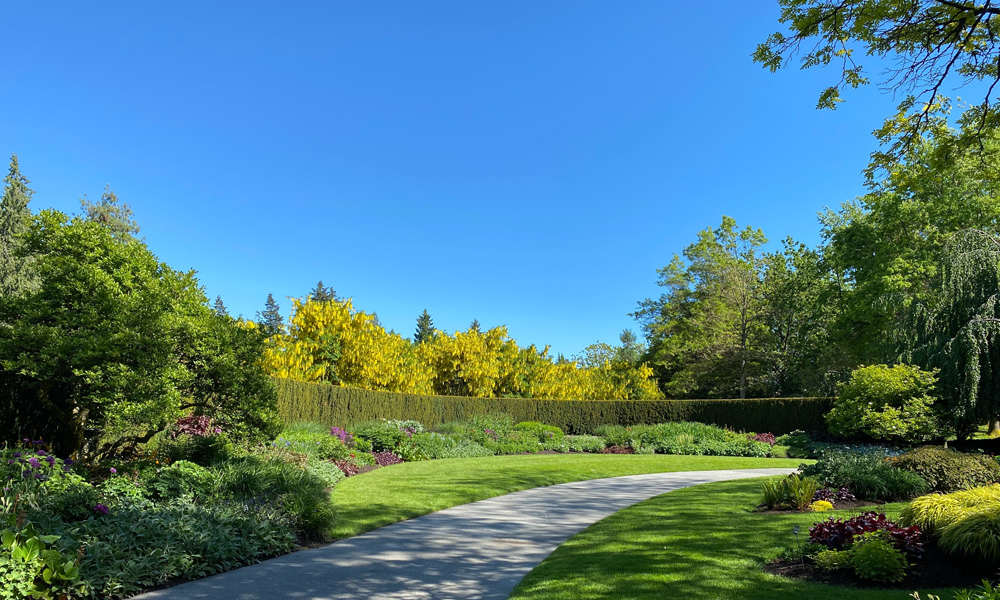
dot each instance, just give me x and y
(584, 443)
(334, 405)
(69, 497)
(325, 471)
(833, 560)
(550, 437)
(183, 478)
(869, 476)
(976, 536)
(874, 557)
(886, 403)
(301, 494)
(798, 444)
(119, 489)
(312, 439)
(683, 438)
(145, 545)
(934, 512)
(383, 436)
(947, 470)
(29, 568)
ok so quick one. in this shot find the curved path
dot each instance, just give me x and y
(476, 551)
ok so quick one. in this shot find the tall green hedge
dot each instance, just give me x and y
(334, 405)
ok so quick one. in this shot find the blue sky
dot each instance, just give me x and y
(521, 163)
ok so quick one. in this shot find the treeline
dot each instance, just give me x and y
(328, 340)
(907, 272)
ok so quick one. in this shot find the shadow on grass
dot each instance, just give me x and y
(698, 544)
(405, 491)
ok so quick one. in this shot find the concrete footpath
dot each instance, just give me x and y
(476, 551)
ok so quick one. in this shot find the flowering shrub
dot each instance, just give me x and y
(821, 506)
(839, 534)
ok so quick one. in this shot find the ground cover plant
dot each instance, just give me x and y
(677, 546)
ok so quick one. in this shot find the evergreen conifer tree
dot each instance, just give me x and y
(15, 272)
(323, 294)
(475, 326)
(425, 328)
(219, 307)
(269, 320)
(113, 214)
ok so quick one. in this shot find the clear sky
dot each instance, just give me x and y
(520, 162)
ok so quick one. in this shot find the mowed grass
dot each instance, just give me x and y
(700, 543)
(399, 492)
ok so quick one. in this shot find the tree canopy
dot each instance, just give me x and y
(934, 45)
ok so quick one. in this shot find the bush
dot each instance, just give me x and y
(798, 444)
(976, 535)
(300, 495)
(840, 534)
(326, 471)
(683, 438)
(549, 436)
(183, 478)
(313, 439)
(821, 506)
(934, 512)
(383, 436)
(119, 489)
(146, 545)
(584, 443)
(947, 470)
(874, 557)
(886, 403)
(30, 569)
(869, 476)
(70, 498)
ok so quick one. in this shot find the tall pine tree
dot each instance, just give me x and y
(322, 294)
(15, 272)
(220, 308)
(425, 328)
(113, 214)
(475, 326)
(269, 320)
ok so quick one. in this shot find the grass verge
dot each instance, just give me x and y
(408, 490)
(700, 543)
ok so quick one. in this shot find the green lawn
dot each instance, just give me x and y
(698, 543)
(399, 492)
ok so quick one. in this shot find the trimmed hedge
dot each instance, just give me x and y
(335, 405)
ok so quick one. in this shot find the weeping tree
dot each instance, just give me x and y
(958, 332)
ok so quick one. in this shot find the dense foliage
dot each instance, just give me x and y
(886, 403)
(111, 346)
(947, 470)
(329, 341)
(300, 401)
(869, 475)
